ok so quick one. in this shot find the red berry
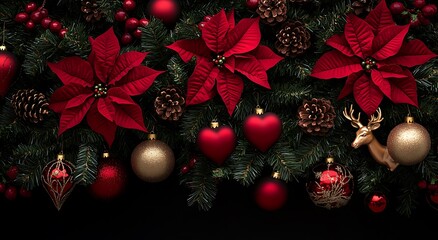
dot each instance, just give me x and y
(433, 196)
(24, 192)
(419, 3)
(12, 172)
(21, 17)
(185, 169)
(62, 32)
(2, 187)
(137, 33)
(423, 20)
(44, 12)
(396, 8)
(422, 184)
(143, 22)
(192, 162)
(126, 38)
(414, 22)
(11, 192)
(201, 25)
(131, 24)
(30, 25)
(120, 15)
(30, 7)
(45, 22)
(429, 10)
(207, 18)
(55, 26)
(129, 5)
(36, 16)
(252, 4)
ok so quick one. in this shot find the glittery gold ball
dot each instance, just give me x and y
(408, 143)
(152, 160)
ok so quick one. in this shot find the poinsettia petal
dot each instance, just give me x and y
(106, 108)
(251, 68)
(404, 90)
(124, 63)
(61, 96)
(339, 42)
(411, 54)
(215, 31)
(201, 83)
(138, 80)
(359, 35)
(230, 88)
(391, 71)
(78, 100)
(230, 63)
(128, 113)
(73, 70)
(188, 48)
(244, 38)
(367, 95)
(106, 49)
(380, 17)
(73, 116)
(230, 18)
(334, 64)
(349, 83)
(382, 83)
(266, 57)
(389, 41)
(101, 125)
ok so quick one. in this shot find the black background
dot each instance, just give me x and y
(160, 211)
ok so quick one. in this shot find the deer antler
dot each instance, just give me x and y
(374, 122)
(355, 122)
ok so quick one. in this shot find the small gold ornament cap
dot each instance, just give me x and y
(259, 110)
(60, 156)
(329, 159)
(152, 136)
(214, 124)
(409, 119)
(105, 154)
(276, 175)
(2, 48)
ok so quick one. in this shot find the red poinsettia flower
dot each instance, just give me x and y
(374, 56)
(101, 88)
(224, 50)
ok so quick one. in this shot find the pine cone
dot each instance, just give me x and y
(30, 105)
(272, 11)
(90, 10)
(170, 103)
(316, 116)
(361, 6)
(293, 39)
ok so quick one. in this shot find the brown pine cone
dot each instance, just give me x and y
(90, 10)
(170, 103)
(362, 6)
(272, 11)
(30, 105)
(293, 39)
(316, 116)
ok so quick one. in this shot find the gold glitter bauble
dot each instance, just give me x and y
(152, 160)
(408, 143)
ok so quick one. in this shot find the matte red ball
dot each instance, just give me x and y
(271, 194)
(165, 10)
(11, 192)
(252, 4)
(120, 15)
(131, 24)
(110, 180)
(21, 17)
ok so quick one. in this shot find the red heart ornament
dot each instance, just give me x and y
(217, 144)
(8, 69)
(262, 130)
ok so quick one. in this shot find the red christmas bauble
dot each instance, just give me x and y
(8, 70)
(331, 185)
(271, 194)
(110, 180)
(377, 202)
(217, 143)
(262, 129)
(252, 4)
(166, 10)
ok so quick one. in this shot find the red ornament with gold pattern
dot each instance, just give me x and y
(57, 180)
(331, 185)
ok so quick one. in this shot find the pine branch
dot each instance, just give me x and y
(247, 165)
(283, 159)
(38, 52)
(202, 185)
(86, 165)
(154, 38)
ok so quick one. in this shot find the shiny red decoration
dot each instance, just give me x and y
(166, 10)
(271, 194)
(8, 70)
(111, 179)
(262, 130)
(331, 185)
(377, 202)
(252, 4)
(217, 143)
